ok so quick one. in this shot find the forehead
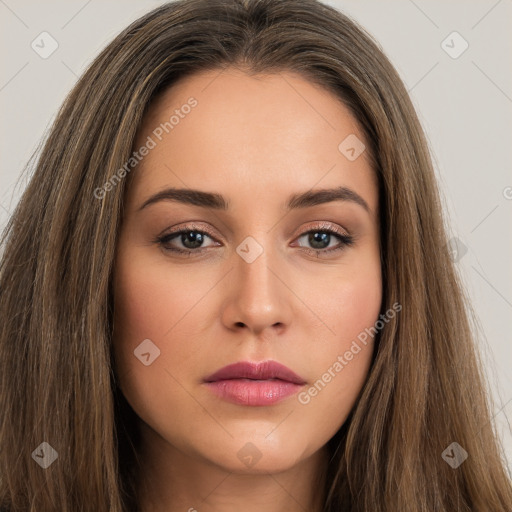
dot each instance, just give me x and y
(277, 101)
(269, 132)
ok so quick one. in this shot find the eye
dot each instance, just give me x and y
(321, 236)
(192, 239)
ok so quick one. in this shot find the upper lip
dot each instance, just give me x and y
(257, 371)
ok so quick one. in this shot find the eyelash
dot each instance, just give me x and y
(163, 240)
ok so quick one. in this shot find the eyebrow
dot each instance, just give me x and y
(218, 202)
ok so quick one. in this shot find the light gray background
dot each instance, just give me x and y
(464, 103)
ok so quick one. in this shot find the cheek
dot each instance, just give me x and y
(156, 302)
(357, 305)
(150, 300)
(151, 304)
(351, 307)
(144, 310)
(141, 304)
(346, 301)
(359, 293)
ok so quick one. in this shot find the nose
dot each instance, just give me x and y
(259, 296)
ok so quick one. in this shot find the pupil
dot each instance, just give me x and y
(196, 237)
(319, 237)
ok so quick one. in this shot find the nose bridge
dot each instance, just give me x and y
(254, 264)
(259, 295)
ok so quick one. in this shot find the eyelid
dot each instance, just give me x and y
(191, 226)
(318, 225)
(345, 238)
(321, 225)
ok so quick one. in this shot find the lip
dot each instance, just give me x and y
(255, 384)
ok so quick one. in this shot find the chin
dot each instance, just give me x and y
(254, 455)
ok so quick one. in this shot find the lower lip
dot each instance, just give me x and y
(253, 392)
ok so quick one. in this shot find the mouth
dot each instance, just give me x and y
(254, 384)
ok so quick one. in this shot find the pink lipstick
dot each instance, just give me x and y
(255, 384)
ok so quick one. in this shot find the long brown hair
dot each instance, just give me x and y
(425, 389)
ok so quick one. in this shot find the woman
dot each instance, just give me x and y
(175, 335)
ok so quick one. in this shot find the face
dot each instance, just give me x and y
(199, 287)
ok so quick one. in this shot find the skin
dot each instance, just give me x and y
(255, 140)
